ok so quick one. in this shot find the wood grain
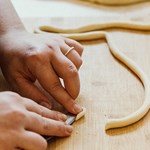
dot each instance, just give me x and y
(108, 90)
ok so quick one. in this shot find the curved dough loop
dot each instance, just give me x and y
(115, 2)
(78, 34)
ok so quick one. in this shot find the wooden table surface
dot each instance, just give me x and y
(108, 89)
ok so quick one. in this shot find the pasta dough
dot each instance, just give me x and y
(89, 33)
(115, 2)
(81, 114)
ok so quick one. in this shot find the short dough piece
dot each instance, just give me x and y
(81, 114)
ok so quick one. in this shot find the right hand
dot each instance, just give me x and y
(40, 57)
(22, 121)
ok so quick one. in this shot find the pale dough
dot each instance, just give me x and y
(81, 114)
(115, 2)
(87, 35)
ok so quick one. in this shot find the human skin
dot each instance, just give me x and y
(23, 120)
(39, 57)
(26, 58)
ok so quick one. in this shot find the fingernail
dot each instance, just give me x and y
(62, 117)
(77, 108)
(47, 105)
(69, 129)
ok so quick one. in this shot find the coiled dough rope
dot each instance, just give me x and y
(83, 33)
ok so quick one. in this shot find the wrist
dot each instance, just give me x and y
(7, 40)
(9, 19)
(10, 29)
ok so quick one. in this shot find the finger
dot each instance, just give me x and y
(49, 80)
(47, 126)
(77, 46)
(72, 55)
(43, 111)
(31, 141)
(68, 73)
(27, 89)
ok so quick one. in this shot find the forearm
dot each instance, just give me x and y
(9, 19)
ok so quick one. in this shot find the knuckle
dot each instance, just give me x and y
(72, 71)
(55, 86)
(61, 129)
(37, 54)
(17, 116)
(46, 126)
(56, 115)
(54, 44)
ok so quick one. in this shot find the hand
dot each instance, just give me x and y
(26, 57)
(22, 121)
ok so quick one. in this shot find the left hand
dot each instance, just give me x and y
(27, 57)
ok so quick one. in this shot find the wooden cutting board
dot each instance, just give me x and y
(108, 89)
